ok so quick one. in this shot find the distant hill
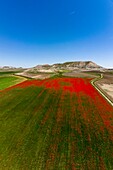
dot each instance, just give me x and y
(46, 70)
(10, 68)
(75, 68)
(7, 67)
(75, 65)
(72, 66)
(78, 65)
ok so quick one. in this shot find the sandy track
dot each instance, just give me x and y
(106, 90)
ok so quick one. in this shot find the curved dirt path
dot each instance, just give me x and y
(98, 89)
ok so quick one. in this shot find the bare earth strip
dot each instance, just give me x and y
(35, 76)
(108, 88)
(104, 87)
(78, 74)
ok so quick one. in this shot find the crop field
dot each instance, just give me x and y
(9, 80)
(55, 124)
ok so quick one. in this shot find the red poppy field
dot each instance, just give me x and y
(55, 124)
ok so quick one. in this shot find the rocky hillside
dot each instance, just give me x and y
(10, 68)
(78, 65)
(72, 66)
(66, 69)
(7, 67)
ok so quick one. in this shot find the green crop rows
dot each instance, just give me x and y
(47, 129)
(9, 80)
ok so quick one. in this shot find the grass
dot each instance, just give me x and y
(7, 80)
(47, 129)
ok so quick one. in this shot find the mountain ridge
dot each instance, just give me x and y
(72, 65)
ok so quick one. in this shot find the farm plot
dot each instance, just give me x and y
(9, 80)
(55, 124)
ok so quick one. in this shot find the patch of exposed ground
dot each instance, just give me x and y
(79, 74)
(108, 88)
(107, 79)
(35, 76)
(106, 85)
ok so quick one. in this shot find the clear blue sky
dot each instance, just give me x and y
(48, 31)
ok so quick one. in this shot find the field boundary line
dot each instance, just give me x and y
(16, 82)
(19, 76)
(93, 82)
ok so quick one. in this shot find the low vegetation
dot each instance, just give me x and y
(7, 80)
(55, 124)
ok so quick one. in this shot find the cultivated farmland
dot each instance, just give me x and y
(7, 80)
(55, 124)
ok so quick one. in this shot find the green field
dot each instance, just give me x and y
(47, 129)
(7, 80)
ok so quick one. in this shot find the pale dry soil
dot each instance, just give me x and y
(106, 84)
(35, 76)
(108, 88)
(79, 74)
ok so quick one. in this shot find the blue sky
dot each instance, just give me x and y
(48, 31)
